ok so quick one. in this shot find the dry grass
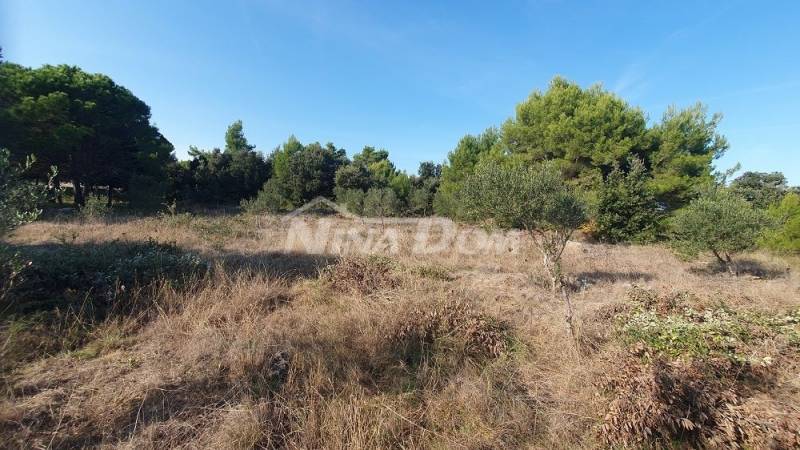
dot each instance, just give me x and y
(273, 350)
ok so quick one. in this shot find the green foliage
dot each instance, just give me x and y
(272, 198)
(235, 141)
(460, 164)
(20, 200)
(68, 289)
(718, 222)
(535, 199)
(101, 274)
(784, 237)
(716, 332)
(20, 203)
(381, 202)
(420, 200)
(431, 271)
(96, 132)
(692, 370)
(424, 187)
(352, 199)
(372, 171)
(401, 185)
(301, 173)
(760, 188)
(353, 176)
(684, 331)
(219, 177)
(587, 131)
(685, 144)
(524, 198)
(148, 262)
(627, 209)
(95, 208)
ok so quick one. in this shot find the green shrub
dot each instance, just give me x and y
(99, 275)
(152, 261)
(69, 290)
(95, 208)
(431, 271)
(271, 198)
(352, 199)
(381, 202)
(20, 203)
(20, 200)
(690, 374)
(717, 222)
(669, 326)
(759, 188)
(627, 209)
(785, 235)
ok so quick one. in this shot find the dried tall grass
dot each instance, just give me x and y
(264, 353)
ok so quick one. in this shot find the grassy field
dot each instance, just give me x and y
(204, 331)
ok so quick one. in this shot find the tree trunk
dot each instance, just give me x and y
(57, 187)
(558, 285)
(79, 198)
(551, 259)
(110, 194)
(732, 269)
(719, 257)
(569, 313)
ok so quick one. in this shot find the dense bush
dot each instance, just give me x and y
(627, 209)
(96, 277)
(718, 222)
(671, 326)
(352, 199)
(759, 188)
(218, 177)
(377, 189)
(271, 198)
(94, 208)
(460, 164)
(69, 291)
(300, 173)
(20, 202)
(784, 236)
(381, 202)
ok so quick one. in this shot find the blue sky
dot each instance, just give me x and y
(413, 77)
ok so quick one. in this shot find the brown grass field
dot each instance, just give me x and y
(276, 349)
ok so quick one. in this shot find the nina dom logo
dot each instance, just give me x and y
(341, 231)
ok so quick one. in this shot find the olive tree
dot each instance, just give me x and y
(718, 222)
(535, 200)
(20, 202)
(19, 198)
(381, 202)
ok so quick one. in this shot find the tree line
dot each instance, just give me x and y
(634, 176)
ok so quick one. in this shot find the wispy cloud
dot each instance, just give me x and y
(636, 78)
(340, 21)
(632, 82)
